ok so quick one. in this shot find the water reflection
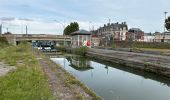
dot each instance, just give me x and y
(79, 63)
(115, 82)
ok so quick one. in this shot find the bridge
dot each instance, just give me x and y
(16, 38)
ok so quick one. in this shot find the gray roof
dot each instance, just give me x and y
(135, 30)
(148, 34)
(81, 32)
(115, 26)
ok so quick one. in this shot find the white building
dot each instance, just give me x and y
(149, 37)
(81, 38)
(159, 37)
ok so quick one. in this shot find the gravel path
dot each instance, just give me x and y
(60, 91)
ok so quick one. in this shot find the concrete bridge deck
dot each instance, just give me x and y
(13, 38)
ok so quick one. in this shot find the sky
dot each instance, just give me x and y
(50, 16)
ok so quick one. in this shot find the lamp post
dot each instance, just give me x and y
(0, 30)
(63, 25)
(164, 27)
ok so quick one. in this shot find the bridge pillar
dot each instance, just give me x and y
(11, 39)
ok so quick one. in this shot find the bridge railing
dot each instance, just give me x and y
(41, 35)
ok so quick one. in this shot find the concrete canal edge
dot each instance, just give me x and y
(135, 64)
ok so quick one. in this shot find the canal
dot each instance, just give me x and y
(115, 82)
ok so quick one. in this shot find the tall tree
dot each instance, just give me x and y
(74, 26)
(167, 23)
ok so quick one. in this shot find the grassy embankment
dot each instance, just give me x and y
(162, 48)
(28, 81)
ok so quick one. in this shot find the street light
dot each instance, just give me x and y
(164, 27)
(63, 25)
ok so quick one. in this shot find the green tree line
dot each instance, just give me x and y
(167, 23)
(72, 27)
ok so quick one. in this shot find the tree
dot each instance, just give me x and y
(74, 26)
(167, 23)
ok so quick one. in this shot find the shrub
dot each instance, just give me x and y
(80, 51)
(3, 42)
(113, 45)
(61, 48)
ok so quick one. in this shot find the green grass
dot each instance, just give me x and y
(80, 51)
(153, 49)
(3, 43)
(28, 81)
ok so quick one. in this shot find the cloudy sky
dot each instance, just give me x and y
(50, 16)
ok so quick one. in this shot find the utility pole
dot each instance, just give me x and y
(109, 20)
(0, 30)
(90, 26)
(164, 27)
(7, 29)
(26, 30)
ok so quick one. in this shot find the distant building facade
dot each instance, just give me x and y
(149, 37)
(115, 30)
(135, 34)
(159, 37)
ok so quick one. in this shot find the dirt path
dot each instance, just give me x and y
(60, 91)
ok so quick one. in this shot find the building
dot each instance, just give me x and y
(81, 38)
(135, 34)
(149, 37)
(95, 41)
(116, 30)
(159, 37)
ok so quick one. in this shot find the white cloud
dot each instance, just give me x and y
(137, 13)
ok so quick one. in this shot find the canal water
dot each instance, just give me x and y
(115, 82)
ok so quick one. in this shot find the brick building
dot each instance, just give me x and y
(116, 30)
(135, 34)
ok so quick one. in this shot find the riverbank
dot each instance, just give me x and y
(64, 85)
(36, 77)
(149, 62)
(27, 81)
